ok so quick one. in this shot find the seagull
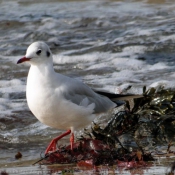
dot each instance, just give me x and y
(57, 100)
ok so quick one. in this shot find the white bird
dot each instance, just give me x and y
(56, 100)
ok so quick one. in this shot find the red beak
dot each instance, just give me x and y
(23, 59)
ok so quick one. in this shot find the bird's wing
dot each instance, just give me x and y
(82, 95)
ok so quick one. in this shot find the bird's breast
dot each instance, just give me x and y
(41, 97)
(50, 107)
(47, 99)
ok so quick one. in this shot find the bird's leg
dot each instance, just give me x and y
(72, 138)
(71, 141)
(52, 146)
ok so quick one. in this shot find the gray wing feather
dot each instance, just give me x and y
(82, 95)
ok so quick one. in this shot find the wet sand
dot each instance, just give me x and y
(26, 168)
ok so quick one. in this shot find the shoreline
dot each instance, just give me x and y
(162, 164)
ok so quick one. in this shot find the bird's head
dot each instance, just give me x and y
(37, 53)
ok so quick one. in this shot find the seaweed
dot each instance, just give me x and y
(147, 123)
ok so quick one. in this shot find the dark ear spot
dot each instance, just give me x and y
(38, 52)
(48, 53)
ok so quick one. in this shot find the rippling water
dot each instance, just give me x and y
(110, 45)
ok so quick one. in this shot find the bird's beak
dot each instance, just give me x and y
(23, 59)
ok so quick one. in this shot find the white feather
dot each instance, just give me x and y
(57, 100)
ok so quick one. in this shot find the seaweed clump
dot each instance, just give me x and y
(150, 122)
(129, 136)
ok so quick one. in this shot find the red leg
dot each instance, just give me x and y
(52, 145)
(71, 141)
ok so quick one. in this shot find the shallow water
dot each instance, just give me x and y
(110, 45)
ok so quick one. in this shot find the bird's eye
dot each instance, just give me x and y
(38, 52)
